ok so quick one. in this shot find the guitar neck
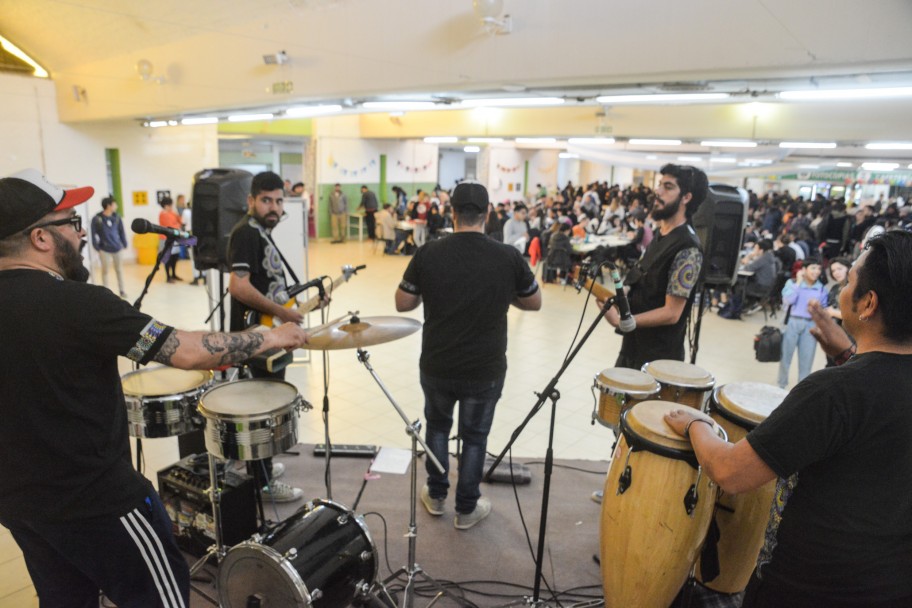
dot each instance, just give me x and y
(314, 302)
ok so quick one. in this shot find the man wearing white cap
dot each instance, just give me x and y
(85, 520)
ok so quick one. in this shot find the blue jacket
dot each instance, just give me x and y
(108, 233)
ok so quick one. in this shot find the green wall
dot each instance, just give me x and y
(353, 192)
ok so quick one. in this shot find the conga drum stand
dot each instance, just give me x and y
(412, 570)
(215, 497)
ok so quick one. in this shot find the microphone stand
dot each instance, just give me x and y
(549, 392)
(169, 240)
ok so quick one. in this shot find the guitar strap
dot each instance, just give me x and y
(291, 272)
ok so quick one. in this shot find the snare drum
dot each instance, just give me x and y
(251, 419)
(681, 382)
(161, 401)
(738, 408)
(619, 390)
(655, 511)
(321, 556)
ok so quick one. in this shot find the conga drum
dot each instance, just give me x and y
(738, 408)
(619, 389)
(655, 511)
(681, 382)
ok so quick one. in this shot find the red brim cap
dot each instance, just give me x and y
(74, 197)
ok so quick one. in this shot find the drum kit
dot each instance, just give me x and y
(658, 505)
(322, 555)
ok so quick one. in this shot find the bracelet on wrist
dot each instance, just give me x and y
(845, 355)
(687, 426)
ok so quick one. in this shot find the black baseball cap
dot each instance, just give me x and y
(470, 195)
(27, 196)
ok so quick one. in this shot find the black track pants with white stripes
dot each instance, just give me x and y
(133, 559)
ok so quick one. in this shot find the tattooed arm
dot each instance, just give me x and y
(207, 350)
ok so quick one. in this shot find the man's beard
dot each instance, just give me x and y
(68, 260)
(667, 211)
(270, 220)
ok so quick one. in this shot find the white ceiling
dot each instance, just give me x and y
(207, 55)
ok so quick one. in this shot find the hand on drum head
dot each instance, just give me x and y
(832, 338)
(678, 419)
(288, 336)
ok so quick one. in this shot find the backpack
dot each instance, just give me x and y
(768, 344)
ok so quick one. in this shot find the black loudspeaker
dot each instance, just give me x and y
(219, 202)
(719, 223)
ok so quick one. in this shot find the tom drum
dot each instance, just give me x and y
(161, 401)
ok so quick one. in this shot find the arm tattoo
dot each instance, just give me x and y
(233, 348)
(167, 350)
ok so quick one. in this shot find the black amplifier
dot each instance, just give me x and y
(183, 488)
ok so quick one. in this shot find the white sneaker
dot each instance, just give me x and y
(278, 469)
(464, 521)
(282, 492)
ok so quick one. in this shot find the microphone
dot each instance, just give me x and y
(141, 226)
(627, 323)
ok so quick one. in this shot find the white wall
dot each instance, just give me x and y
(452, 167)
(543, 170)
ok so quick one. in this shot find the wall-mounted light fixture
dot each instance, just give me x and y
(145, 70)
(490, 12)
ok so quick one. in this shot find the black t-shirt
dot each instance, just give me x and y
(64, 445)
(250, 250)
(841, 442)
(467, 282)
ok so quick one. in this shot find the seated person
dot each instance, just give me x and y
(763, 263)
(559, 250)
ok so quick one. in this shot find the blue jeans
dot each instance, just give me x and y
(476, 413)
(797, 335)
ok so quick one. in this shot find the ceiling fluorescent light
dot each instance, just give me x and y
(441, 140)
(567, 155)
(158, 123)
(660, 98)
(305, 111)
(807, 144)
(485, 140)
(471, 149)
(402, 106)
(199, 120)
(759, 161)
(12, 49)
(844, 165)
(723, 159)
(897, 145)
(536, 140)
(249, 117)
(512, 102)
(816, 95)
(808, 166)
(654, 142)
(729, 144)
(591, 140)
(690, 159)
(879, 166)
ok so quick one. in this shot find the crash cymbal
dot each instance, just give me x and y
(355, 332)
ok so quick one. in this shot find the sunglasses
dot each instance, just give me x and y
(75, 221)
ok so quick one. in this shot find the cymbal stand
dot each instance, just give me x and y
(411, 569)
(215, 497)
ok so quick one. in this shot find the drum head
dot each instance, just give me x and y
(627, 381)
(246, 397)
(646, 420)
(163, 381)
(749, 401)
(678, 373)
(254, 569)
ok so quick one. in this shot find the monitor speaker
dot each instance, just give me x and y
(219, 203)
(719, 223)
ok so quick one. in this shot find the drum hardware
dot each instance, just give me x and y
(551, 393)
(626, 477)
(215, 497)
(412, 570)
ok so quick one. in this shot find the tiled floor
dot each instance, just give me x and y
(360, 413)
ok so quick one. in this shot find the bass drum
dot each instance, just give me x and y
(655, 511)
(738, 408)
(322, 556)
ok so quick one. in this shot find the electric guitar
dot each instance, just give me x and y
(253, 318)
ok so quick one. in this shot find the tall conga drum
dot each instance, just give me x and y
(681, 382)
(738, 408)
(655, 511)
(619, 389)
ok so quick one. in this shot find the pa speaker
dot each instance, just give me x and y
(719, 223)
(219, 203)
